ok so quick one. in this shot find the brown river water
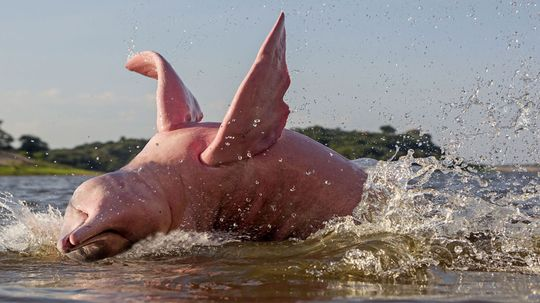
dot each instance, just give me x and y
(422, 233)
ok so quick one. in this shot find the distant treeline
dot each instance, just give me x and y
(112, 155)
(381, 146)
(107, 156)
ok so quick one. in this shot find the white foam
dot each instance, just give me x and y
(26, 231)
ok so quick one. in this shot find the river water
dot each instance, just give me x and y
(423, 232)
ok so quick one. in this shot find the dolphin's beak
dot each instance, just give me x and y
(83, 241)
(102, 246)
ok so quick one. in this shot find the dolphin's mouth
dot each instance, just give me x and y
(104, 245)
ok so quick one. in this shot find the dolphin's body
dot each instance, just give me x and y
(245, 175)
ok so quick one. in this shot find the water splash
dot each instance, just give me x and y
(176, 243)
(417, 214)
(25, 231)
(499, 117)
(461, 220)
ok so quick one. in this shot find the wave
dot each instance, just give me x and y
(416, 214)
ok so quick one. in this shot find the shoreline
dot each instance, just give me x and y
(12, 164)
(16, 165)
(17, 171)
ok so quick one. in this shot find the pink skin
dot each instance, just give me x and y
(247, 175)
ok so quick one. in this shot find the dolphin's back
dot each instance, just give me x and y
(288, 190)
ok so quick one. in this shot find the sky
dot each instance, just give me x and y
(464, 71)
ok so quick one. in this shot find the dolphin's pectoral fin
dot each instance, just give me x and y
(257, 114)
(175, 103)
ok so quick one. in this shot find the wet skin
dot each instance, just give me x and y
(287, 191)
(246, 175)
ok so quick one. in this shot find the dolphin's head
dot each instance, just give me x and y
(109, 213)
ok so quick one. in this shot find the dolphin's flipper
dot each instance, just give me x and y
(175, 103)
(257, 114)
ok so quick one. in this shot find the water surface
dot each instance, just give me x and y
(422, 233)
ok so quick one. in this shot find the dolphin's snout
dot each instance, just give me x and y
(64, 244)
(82, 239)
(102, 219)
(101, 246)
(67, 243)
(73, 220)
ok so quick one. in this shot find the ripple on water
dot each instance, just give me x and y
(422, 228)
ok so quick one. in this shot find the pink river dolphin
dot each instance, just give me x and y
(247, 175)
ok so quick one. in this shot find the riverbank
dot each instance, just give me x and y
(16, 165)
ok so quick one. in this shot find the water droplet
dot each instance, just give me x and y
(293, 188)
(327, 182)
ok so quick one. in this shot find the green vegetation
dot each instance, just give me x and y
(110, 156)
(26, 170)
(32, 144)
(22, 161)
(35, 168)
(380, 146)
(97, 156)
(5, 139)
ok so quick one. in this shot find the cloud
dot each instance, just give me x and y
(99, 97)
(26, 98)
(50, 93)
(10, 97)
(106, 96)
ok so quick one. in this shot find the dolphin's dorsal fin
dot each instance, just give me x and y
(257, 115)
(176, 105)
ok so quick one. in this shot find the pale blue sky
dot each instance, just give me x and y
(354, 64)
